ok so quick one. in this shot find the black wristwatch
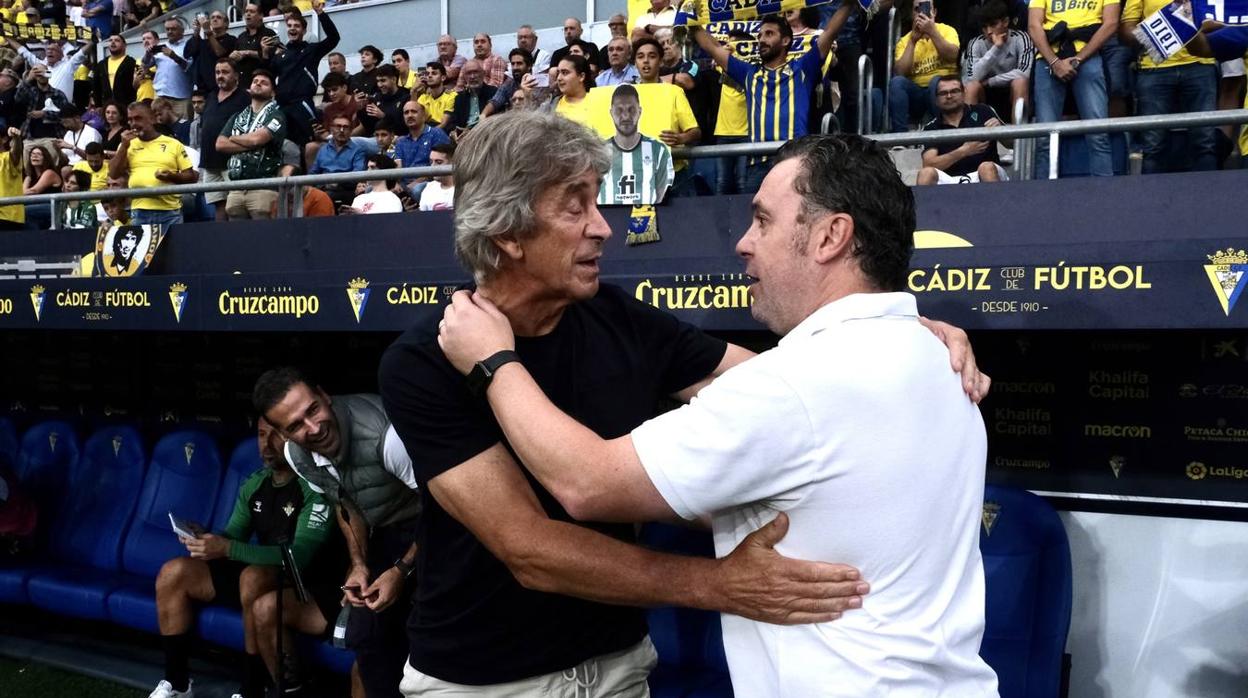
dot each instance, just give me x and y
(405, 567)
(481, 374)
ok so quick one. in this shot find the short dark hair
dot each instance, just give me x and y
(98, 148)
(199, 93)
(338, 54)
(383, 162)
(228, 61)
(809, 17)
(992, 12)
(517, 51)
(263, 72)
(384, 124)
(781, 24)
(388, 71)
(625, 91)
(273, 384)
(447, 149)
(401, 52)
(332, 80)
(650, 40)
(82, 178)
(376, 52)
(850, 174)
(436, 66)
(948, 77)
(298, 18)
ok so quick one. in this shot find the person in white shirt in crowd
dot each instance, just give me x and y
(374, 196)
(439, 194)
(662, 14)
(60, 66)
(173, 70)
(526, 38)
(853, 432)
(78, 135)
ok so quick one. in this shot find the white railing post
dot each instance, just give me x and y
(1055, 142)
(866, 101)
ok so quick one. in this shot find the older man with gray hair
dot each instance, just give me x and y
(517, 598)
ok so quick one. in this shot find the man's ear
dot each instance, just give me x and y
(510, 246)
(832, 237)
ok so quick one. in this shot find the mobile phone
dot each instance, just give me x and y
(353, 588)
(925, 8)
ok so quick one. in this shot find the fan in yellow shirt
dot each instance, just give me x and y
(151, 160)
(11, 217)
(929, 49)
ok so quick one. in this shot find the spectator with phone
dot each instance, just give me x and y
(247, 51)
(929, 49)
(295, 65)
(172, 79)
(275, 507)
(386, 103)
(339, 154)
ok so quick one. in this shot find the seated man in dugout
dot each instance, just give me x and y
(275, 506)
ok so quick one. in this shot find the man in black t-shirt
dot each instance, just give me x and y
(221, 106)
(512, 589)
(960, 163)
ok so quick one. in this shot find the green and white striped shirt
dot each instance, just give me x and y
(639, 176)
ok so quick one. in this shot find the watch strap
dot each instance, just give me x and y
(482, 373)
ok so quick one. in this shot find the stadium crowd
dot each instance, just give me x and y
(203, 104)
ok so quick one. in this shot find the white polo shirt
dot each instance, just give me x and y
(857, 427)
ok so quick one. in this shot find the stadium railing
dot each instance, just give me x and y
(290, 189)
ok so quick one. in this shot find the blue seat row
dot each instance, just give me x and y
(104, 509)
(105, 528)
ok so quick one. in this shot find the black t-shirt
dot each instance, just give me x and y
(205, 59)
(607, 364)
(216, 115)
(366, 82)
(391, 105)
(590, 48)
(973, 116)
(251, 42)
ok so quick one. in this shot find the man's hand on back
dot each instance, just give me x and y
(760, 584)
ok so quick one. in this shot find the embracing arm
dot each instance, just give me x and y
(489, 495)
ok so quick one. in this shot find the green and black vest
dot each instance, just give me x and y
(381, 497)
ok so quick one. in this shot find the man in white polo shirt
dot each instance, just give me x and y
(853, 431)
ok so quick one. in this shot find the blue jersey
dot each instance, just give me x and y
(778, 99)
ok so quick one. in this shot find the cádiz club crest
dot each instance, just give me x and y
(37, 294)
(1226, 273)
(177, 298)
(357, 294)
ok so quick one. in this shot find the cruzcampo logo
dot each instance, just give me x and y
(1226, 273)
(177, 298)
(37, 294)
(992, 511)
(357, 293)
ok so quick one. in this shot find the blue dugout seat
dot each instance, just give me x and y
(8, 441)
(184, 478)
(689, 642)
(219, 624)
(45, 455)
(1028, 581)
(85, 543)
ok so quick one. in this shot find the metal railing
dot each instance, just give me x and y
(866, 96)
(290, 189)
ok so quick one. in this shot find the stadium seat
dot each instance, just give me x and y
(1028, 579)
(184, 478)
(218, 624)
(85, 544)
(46, 453)
(689, 642)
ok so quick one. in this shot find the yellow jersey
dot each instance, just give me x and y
(1075, 13)
(1136, 11)
(732, 118)
(437, 107)
(11, 185)
(99, 178)
(145, 158)
(927, 62)
(576, 111)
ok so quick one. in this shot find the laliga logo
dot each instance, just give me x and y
(37, 294)
(357, 294)
(177, 298)
(1226, 273)
(1197, 470)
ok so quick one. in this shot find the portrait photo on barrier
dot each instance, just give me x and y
(125, 250)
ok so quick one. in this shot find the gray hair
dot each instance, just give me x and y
(502, 167)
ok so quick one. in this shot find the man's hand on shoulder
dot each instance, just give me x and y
(756, 582)
(473, 329)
